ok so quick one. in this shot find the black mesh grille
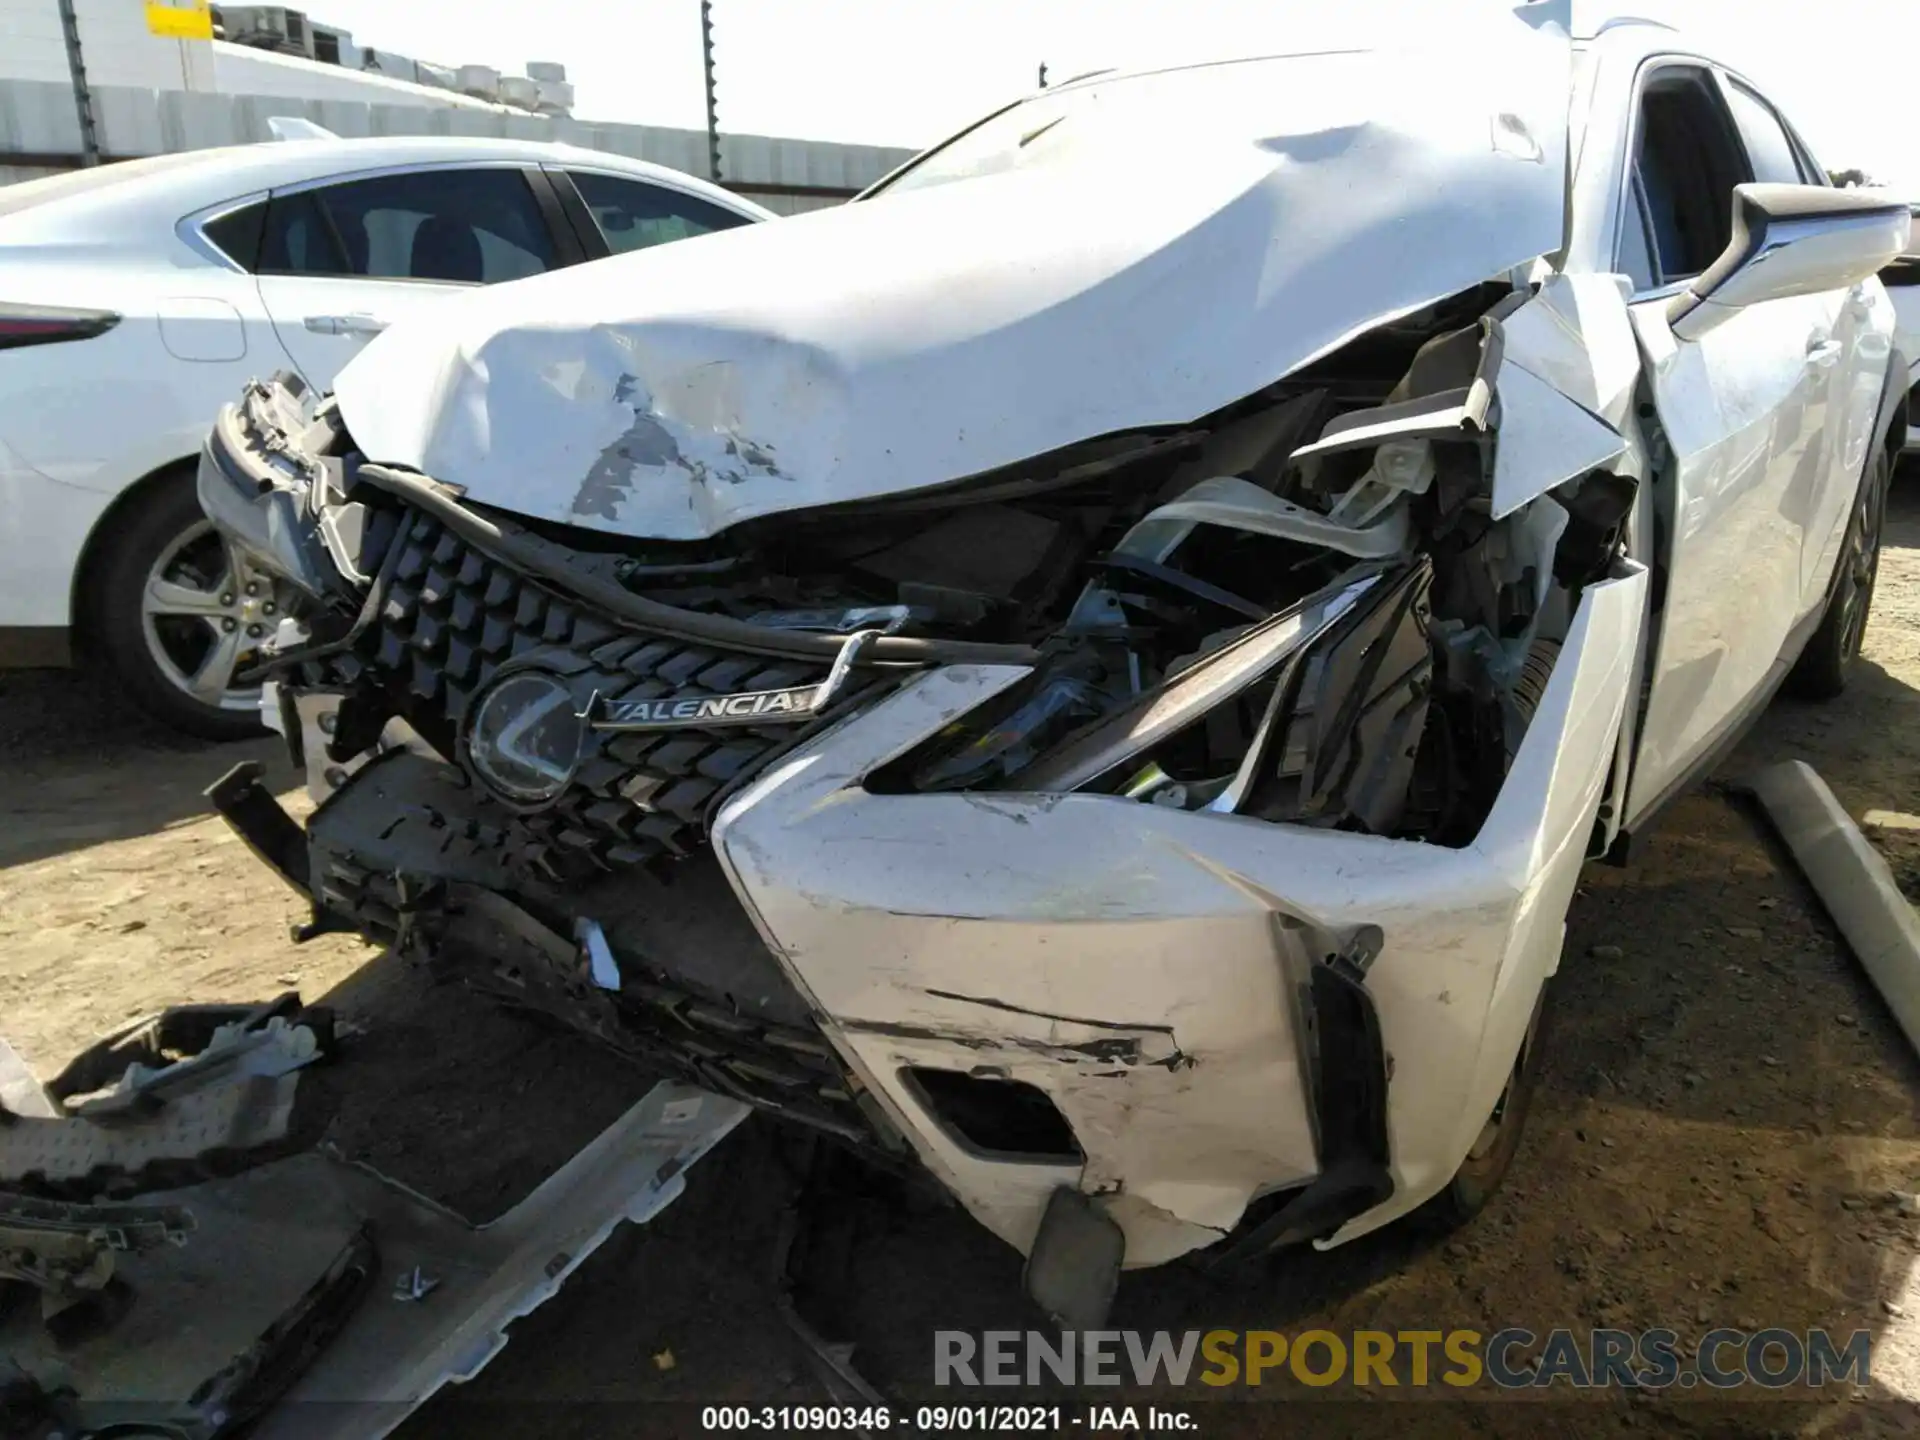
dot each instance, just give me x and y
(452, 616)
(789, 1070)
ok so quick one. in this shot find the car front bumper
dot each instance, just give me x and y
(1152, 970)
(1212, 1027)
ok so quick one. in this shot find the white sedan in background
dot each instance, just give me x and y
(137, 298)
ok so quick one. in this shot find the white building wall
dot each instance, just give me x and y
(114, 40)
(153, 95)
(30, 40)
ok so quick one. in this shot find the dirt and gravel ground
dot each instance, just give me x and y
(1726, 1112)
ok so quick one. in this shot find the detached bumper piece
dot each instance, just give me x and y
(239, 1302)
(179, 1096)
(256, 817)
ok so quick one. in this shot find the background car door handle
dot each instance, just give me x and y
(358, 323)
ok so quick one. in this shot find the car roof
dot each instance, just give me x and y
(181, 184)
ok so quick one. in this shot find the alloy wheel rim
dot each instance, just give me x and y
(204, 611)
(1863, 564)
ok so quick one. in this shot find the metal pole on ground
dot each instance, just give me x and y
(1852, 881)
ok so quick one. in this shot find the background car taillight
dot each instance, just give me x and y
(50, 324)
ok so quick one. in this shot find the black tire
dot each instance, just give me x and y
(1480, 1174)
(148, 528)
(1821, 671)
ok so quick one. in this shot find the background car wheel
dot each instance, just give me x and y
(1486, 1165)
(177, 614)
(1821, 671)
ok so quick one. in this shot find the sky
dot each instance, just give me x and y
(909, 72)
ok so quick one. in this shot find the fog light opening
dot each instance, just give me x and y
(995, 1117)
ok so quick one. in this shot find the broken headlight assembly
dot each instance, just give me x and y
(1315, 716)
(285, 505)
(1001, 740)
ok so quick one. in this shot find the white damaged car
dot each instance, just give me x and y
(1096, 667)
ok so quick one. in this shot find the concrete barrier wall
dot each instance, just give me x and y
(39, 131)
(11, 173)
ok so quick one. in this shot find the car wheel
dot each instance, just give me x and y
(178, 614)
(1487, 1163)
(1821, 671)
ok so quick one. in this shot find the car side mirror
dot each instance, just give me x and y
(1792, 240)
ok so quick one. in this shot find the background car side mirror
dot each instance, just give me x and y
(1792, 240)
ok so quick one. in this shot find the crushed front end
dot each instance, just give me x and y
(1182, 822)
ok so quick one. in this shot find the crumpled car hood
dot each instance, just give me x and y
(1116, 277)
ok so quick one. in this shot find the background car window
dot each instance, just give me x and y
(1687, 166)
(634, 215)
(475, 227)
(299, 240)
(1766, 138)
(237, 234)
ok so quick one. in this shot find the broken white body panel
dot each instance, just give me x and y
(398, 1295)
(899, 342)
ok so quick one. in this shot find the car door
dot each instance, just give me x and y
(1853, 358)
(1743, 416)
(341, 260)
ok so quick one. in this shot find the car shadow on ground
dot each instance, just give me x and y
(83, 768)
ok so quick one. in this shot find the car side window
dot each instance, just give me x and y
(476, 227)
(634, 215)
(1765, 137)
(1686, 164)
(237, 234)
(1810, 171)
(1636, 240)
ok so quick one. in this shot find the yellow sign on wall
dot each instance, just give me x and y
(192, 21)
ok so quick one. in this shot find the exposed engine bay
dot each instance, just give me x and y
(1302, 610)
(1334, 608)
